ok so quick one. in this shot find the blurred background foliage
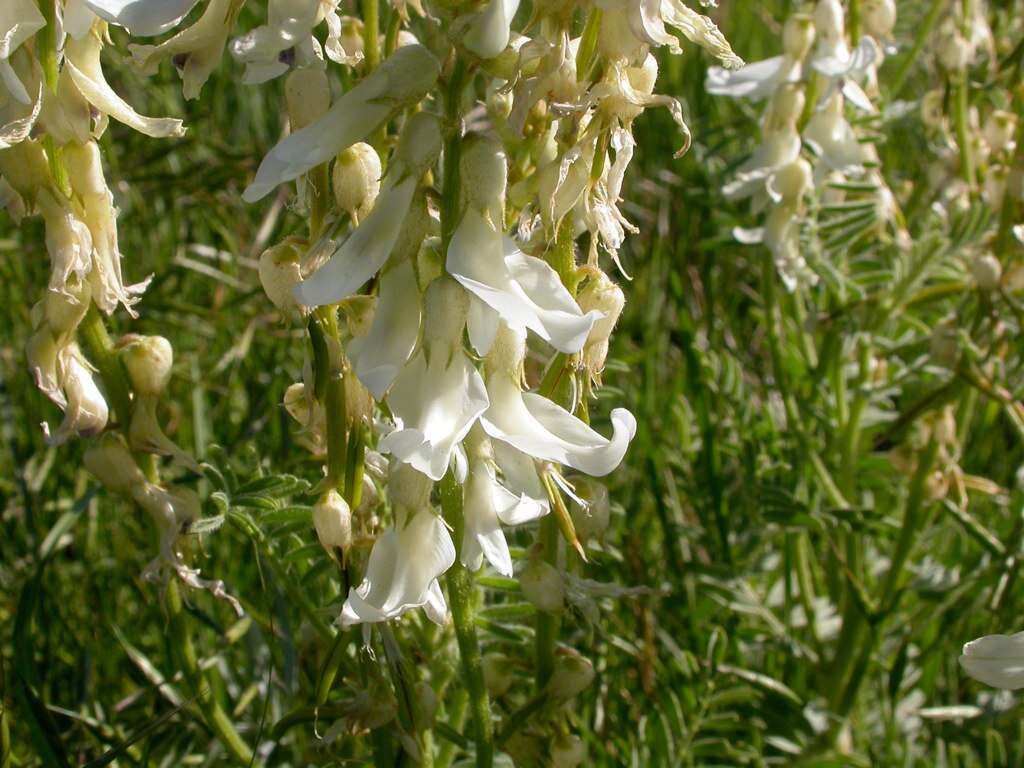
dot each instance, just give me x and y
(721, 655)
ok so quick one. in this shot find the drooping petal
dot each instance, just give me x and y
(434, 404)
(525, 291)
(405, 77)
(378, 357)
(482, 535)
(19, 21)
(544, 430)
(996, 660)
(83, 62)
(402, 572)
(701, 30)
(752, 81)
(143, 18)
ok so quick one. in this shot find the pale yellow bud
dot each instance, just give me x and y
(603, 295)
(148, 360)
(356, 179)
(1000, 130)
(792, 180)
(332, 519)
(280, 272)
(987, 272)
(879, 18)
(798, 36)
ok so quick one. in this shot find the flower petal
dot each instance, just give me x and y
(378, 357)
(996, 660)
(546, 431)
(143, 18)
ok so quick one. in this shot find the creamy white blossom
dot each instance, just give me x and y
(996, 660)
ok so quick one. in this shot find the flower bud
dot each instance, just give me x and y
(498, 675)
(829, 20)
(419, 144)
(148, 360)
(987, 272)
(408, 488)
(484, 174)
(933, 113)
(786, 107)
(332, 519)
(356, 180)
(280, 272)
(1000, 130)
(798, 36)
(568, 751)
(110, 462)
(792, 180)
(543, 586)
(603, 295)
(572, 675)
(488, 30)
(592, 520)
(445, 310)
(879, 18)
(308, 96)
(994, 185)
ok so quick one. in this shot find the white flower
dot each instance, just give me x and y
(195, 51)
(344, 39)
(832, 137)
(402, 573)
(82, 61)
(404, 78)
(17, 118)
(834, 59)
(524, 291)
(68, 242)
(996, 660)
(143, 18)
(19, 21)
(394, 218)
(536, 426)
(439, 394)
(378, 356)
(269, 51)
(488, 505)
(760, 78)
(489, 30)
(779, 146)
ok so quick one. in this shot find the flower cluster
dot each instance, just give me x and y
(809, 148)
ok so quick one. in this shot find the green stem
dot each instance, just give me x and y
(215, 717)
(462, 601)
(854, 16)
(371, 34)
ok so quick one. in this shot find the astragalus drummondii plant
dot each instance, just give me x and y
(460, 168)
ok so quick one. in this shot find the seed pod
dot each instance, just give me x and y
(543, 586)
(356, 180)
(332, 519)
(148, 360)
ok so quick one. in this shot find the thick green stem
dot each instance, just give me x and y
(216, 718)
(462, 601)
